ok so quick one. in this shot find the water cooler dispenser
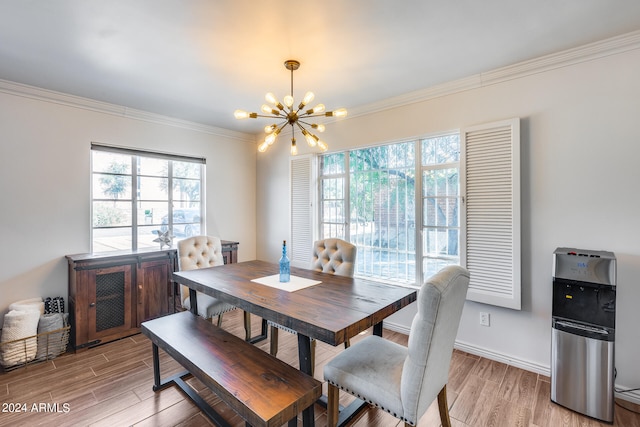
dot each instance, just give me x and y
(583, 331)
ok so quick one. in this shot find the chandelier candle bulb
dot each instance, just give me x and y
(272, 99)
(308, 97)
(268, 110)
(288, 101)
(271, 138)
(317, 109)
(340, 112)
(241, 114)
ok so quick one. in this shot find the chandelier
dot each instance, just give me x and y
(287, 114)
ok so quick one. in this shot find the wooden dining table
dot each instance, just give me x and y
(331, 311)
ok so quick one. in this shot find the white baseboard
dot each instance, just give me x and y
(527, 365)
(504, 358)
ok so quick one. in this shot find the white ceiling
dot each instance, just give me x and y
(199, 60)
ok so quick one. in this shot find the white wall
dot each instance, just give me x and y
(45, 191)
(580, 147)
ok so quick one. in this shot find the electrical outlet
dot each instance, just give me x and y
(484, 319)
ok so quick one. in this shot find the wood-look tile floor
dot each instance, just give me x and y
(110, 385)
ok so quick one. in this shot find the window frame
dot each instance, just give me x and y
(135, 158)
(508, 293)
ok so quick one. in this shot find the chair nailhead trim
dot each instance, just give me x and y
(372, 403)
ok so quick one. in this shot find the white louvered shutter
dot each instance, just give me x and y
(302, 216)
(491, 199)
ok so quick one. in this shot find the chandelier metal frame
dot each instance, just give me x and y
(296, 117)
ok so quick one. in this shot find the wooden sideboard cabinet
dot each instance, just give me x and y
(111, 294)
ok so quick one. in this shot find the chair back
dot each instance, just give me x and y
(431, 338)
(198, 252)
(334, 256)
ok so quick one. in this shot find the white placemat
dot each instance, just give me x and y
(295, 284)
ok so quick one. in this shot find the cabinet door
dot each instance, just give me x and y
(153, 289)
(109, 310)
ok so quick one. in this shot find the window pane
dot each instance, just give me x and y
(382, 211)
(150, 188)
(440, 212)
(432, 265)
(333, 188)
(186, 189)
(333, 230)
(114, 187)
(333, 211)
(186, 221)
(153, 167)
(440, 242)
(332, 164)
(151, 213)
(111, 239)
(440, 203)
(441, 150)
(147, 235)
(441, 182)
(111, 162)
(186, 170)
(111, 214)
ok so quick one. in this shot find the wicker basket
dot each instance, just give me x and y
(47, 346)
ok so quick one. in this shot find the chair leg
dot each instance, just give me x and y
(333, 403)
(219, 320)
(247, 326)
(444, 407)
(273, 349)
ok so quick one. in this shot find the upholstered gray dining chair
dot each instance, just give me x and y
(404, 381)
(333, 256)
(202, 252)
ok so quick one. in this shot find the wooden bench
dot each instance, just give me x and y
(263, 390)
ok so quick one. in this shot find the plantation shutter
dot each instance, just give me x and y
(491, 201)
(302, 216)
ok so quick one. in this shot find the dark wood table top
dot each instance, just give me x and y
(332, 311)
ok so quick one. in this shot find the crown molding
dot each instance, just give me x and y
(589, 52)
(585, 53)
(45, 95)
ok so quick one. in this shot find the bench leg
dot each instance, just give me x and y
(263, 333)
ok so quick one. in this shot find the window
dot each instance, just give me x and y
(373, 206)
(440, 202)
(464, 209)
(136, 194)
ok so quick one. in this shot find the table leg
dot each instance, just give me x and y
(377, 329)
(193, 301)
(304, 355)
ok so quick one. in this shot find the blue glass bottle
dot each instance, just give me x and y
(284, 264)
